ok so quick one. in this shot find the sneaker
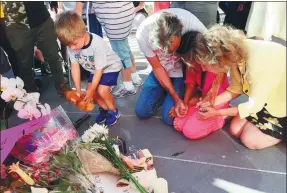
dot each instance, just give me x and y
(138, 83)
(122, 92)
(101, 118)
(112, 118)
(63, 88)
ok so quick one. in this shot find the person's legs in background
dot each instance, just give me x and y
(47, 43)
(6, 46)
(178, 84)
(150, 98)
(121, 48)
(94, 25)
(137, 81)
(22, 41)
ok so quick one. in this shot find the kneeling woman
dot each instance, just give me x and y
(197, 85)
(258, 69)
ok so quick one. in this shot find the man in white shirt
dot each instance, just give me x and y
(159, 37)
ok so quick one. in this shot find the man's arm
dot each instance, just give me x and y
(79, 8)
(76, 75)
(140, 6)
(162, 76)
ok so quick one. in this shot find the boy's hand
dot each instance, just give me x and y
(89, 96)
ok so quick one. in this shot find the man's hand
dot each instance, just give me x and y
(171, 113)
(206, 113)
(180, 108)
(89, 96)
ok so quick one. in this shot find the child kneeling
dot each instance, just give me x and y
(198, 83)
(94, 55)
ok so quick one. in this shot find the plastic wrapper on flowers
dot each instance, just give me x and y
(47, 151)
(55, 132)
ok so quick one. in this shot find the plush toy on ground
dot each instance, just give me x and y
(77, 99)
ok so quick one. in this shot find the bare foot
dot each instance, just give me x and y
(176, 124)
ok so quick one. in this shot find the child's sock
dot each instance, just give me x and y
(135, 77)
(129, 85)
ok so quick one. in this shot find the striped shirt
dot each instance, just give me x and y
(115, 17)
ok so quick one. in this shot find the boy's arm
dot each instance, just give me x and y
(94, 85)
(76, 75)
(79, 7)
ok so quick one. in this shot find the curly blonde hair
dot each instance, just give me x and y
(220, 44)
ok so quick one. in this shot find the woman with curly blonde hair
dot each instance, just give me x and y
(258, 69)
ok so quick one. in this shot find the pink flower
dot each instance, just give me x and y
(18, 105)
(29, 112)
(12, 94)
(3, 173)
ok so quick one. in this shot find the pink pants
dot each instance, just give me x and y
(193, 128)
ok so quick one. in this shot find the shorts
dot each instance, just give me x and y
(122, 49)
(270, 125)
(108, 79)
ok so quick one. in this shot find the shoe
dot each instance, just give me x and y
(101, 118)
(63, 88)
(45, 68)
(112, 118)
(122, 92)
(138, 83)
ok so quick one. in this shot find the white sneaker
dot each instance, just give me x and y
(122, 91)
(138, 82)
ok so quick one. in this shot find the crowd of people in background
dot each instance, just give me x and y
(189, 51)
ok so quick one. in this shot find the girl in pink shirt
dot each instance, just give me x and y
(198, 84)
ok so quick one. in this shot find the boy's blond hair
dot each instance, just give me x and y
(222, 42)
(69, 26)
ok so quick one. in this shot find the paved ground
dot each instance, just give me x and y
(215, 164)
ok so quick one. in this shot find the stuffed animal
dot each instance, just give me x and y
(75, 98)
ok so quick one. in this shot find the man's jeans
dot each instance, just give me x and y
(23, 40)
(153, 95)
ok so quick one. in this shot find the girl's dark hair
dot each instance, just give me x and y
(191, 42)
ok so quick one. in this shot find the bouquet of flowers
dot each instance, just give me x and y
(27, 104)
(48, 154)
(136, 172)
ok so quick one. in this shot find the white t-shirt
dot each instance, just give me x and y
(96, 55)
(171, 62)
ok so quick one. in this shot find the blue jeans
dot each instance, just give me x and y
(153, 95)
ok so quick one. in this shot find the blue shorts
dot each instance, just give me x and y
(108, 79)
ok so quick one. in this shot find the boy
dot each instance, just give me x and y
(94, 55)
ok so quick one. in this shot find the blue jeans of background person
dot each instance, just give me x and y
(122, 49)
(153, 95)
(94, 25)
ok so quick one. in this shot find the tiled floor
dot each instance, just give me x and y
(215, 164)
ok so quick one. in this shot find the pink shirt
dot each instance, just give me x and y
(193, 76)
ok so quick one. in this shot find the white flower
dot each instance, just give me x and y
(7, 83)
(12, 94)
(88, 136)
(45, 110)
(19, 83)
(99, 130)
